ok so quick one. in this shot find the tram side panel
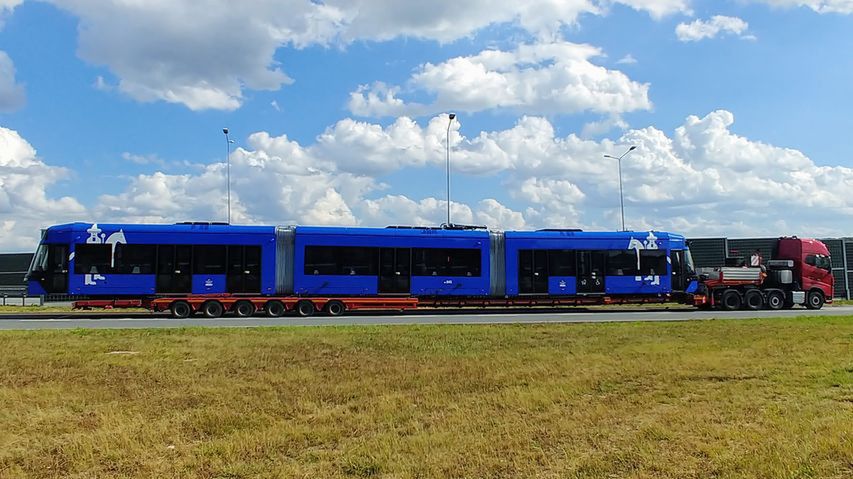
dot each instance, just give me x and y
(120, 260)
(567, 264)
(368, 262)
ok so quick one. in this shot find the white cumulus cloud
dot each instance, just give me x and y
(207, 56)
(25, 204)
(12, 94)
(699, 179)
(717, 25)
(819, 6)
(541, 78)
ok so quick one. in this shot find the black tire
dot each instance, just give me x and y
(212, 309)
(753, 299)
(243, 309)
(334, 308)
(814, 300)
(181, 309)
(275, 309)
(305, 308)
(775, 300)
(731, 300)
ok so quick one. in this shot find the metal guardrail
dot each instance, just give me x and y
(15, 296)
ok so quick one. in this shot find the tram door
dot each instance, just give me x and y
(395, 270)
(244, 269)
(677, 260)
(173, 269)
(56, 274)
(590, 277)
(532, 271)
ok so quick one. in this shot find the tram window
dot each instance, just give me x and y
(341, 260)
(622, 263)
(358, 261)
(561, 262)
(446, 262)
(209, 259)
(652, 262)
(92, 258)
(134, 259)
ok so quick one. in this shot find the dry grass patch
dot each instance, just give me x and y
(759, 398)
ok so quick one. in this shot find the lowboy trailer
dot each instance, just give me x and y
(246, 306)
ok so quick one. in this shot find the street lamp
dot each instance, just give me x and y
(228, 142)
(451, 117)
(621, 199)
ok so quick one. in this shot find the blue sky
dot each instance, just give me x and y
(741, 111)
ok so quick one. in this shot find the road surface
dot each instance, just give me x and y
(145, 320)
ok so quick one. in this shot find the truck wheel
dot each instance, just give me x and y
(274, 309)
(814, 300)
(753, 299)
(775, 300)
(181, 309)
(305, 308)
(334, 308)
(212, 309)
(244, 309)
(731, 300)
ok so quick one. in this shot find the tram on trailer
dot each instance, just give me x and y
(198, 263)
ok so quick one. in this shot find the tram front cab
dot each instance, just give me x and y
(48, 271)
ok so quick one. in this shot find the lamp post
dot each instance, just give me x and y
(228, 142)
(621, 198)
(451, 117)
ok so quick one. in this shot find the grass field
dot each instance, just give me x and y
(756, 398)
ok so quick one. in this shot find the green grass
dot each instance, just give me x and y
(726, 399)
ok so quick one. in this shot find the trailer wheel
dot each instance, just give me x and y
(731, 300)
(243, 309)
(753, 299)
(275, 309)
(212, 309)
(181, 309)
(305, 308)
(775, 300)
(814, 300)
(334, 308)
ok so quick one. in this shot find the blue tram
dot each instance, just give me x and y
(127, 260)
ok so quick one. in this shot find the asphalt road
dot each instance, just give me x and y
(144, 320)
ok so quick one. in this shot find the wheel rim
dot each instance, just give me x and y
(306, 308)
(815, 299)
(754, 300)
(275, 309)
(335, 308)
(181, 310)
(213, 309)
(774, 301)
(244, 309)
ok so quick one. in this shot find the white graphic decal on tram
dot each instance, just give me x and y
(96, 236)
(650, 243)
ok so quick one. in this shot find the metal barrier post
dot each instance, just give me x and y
(41, 300)
(24, 299)
(4, 298)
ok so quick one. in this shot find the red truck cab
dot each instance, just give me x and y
(812, 268)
